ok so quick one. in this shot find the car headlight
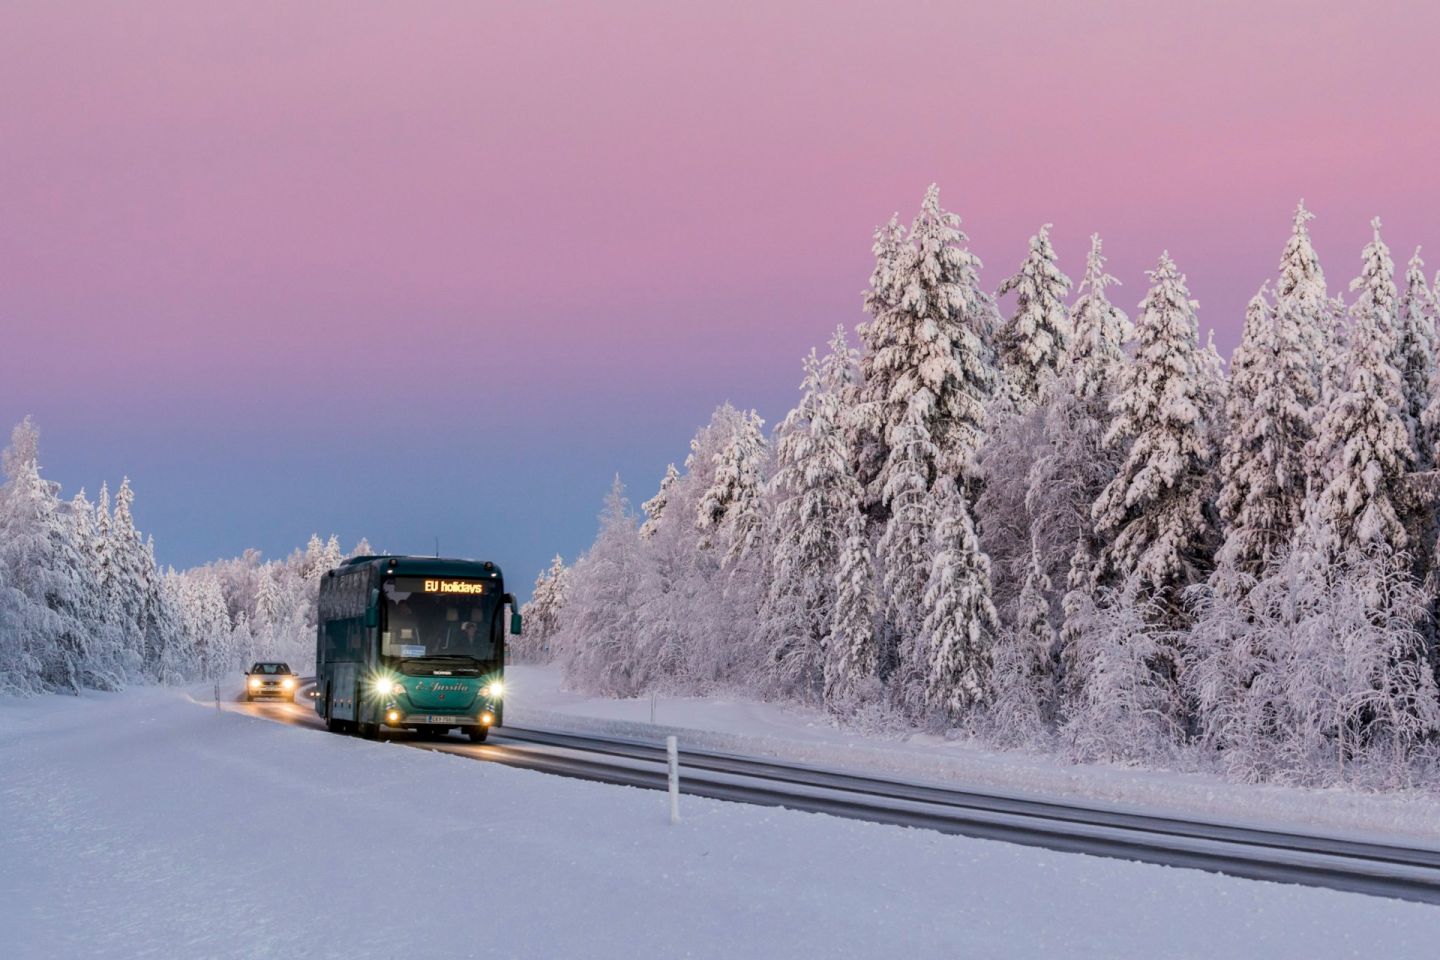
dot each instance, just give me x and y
(496, 689)
(287, 683)
(254, 683)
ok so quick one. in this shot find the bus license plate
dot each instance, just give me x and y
(452, 720)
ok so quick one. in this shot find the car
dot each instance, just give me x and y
(270, 678)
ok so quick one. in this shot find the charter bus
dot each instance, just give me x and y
(413, 643)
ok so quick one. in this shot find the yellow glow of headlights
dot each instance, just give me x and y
(495, 689)
(393, 716)
(486, 719)
(385, 686)
(288, 684)
(255, 682)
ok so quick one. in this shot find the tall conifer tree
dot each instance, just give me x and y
(1033, 343)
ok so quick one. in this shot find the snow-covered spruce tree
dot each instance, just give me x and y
(1096, 356)
(1214, 389)
(1032, 344)
(1038, 485)
(104, 562)
(1075, 463)
(129, 574)
(904, 549)
(177, 660)
(1376, 296)
(951, 654)
(812, 491)
(205, 624)
(24, 448)
(1301, 288)
(928, 347)
(655, 507)
(1335, 376)
(597, 640)
(1124, 710)
(852, 656)
(868, 447)
(1362, 443)
(43, 563)
(19, 666)
(730, 509)
(1024, 690)
(1155, 514)
(1263, 468)
(541, 616)
(1417, 316)
(109, 661)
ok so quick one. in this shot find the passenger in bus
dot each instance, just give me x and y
(405, 624)
(469, 635)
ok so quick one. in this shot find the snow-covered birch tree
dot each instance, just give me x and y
(1024, 690)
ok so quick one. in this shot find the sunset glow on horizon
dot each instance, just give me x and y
(431, 270)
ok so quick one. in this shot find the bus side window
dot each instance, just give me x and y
(337, 646)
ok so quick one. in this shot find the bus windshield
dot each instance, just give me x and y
(433, 624)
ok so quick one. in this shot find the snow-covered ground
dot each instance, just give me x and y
(145, 824)
(535, 697)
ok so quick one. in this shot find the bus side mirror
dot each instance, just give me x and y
(514, 613)
(372, 610)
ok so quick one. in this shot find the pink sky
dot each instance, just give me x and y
(225, 216)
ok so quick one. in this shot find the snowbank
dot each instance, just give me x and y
(144, 824)
(535, 698)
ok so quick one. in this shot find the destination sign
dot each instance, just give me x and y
(442, 585)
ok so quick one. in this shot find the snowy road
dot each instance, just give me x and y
(146, 824)
(1371, 868)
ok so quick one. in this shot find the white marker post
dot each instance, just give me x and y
(673, 758)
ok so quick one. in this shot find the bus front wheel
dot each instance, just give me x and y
(368, 730)
(479, 734)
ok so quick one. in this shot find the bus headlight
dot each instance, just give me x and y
(392, 716)
(387, 687)
(495, 690)
(487, 718)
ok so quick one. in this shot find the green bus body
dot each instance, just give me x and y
(412, 643)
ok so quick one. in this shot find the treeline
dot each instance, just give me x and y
(1058, 528)
(83, 603)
